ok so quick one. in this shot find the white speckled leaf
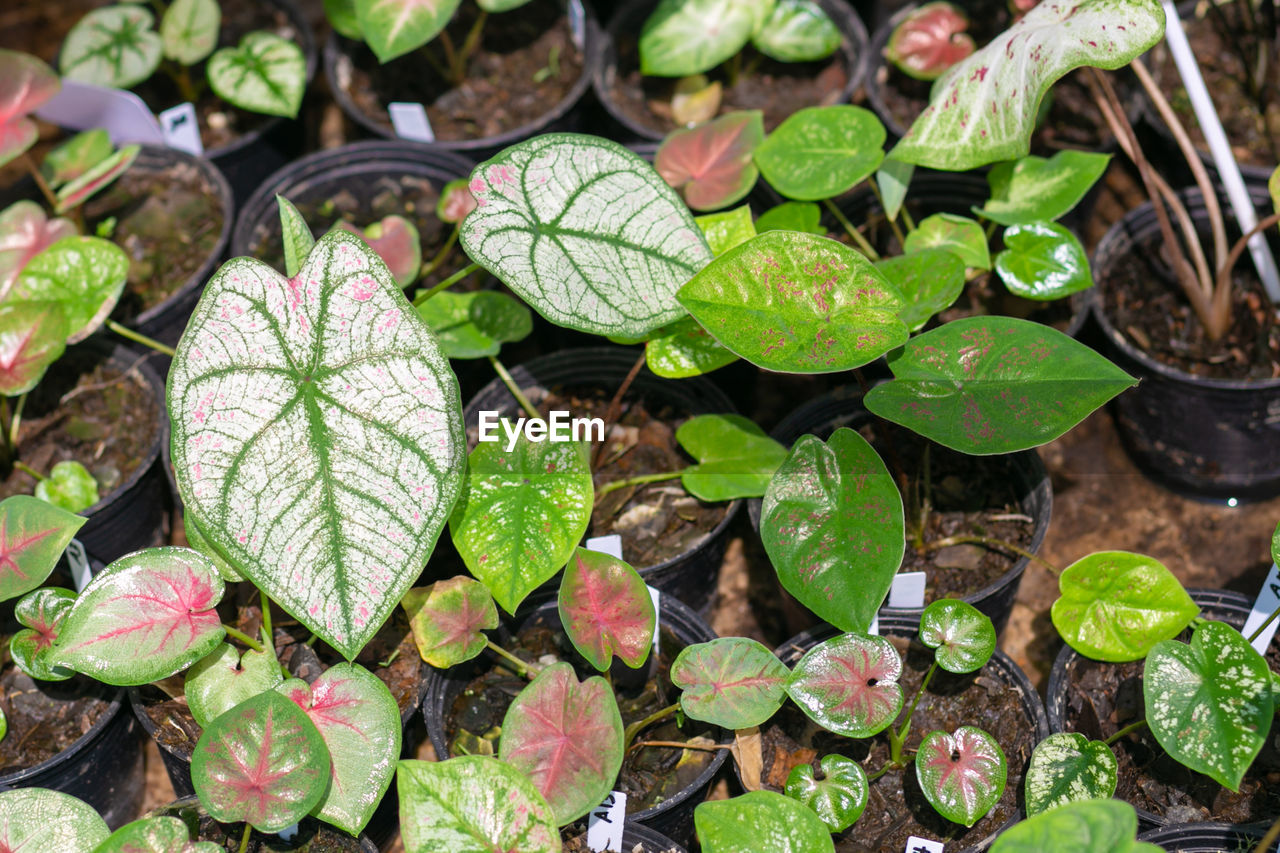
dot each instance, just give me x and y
(586, 232)
(155, 835)
(758, 821)
(189, 30)
(37, 820)
(1067, 767)
(317, 434)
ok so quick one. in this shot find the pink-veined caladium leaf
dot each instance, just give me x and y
(25, 83)
(226, 677)
(849, 684)
(733, 682)
(33, 535)
(606, 610)
(456, 201)
(395, 239)
(448, 620)
(32, 336)
(930, 40)
(159, 834)
(96, 179)
(84, 275)
(263, 763)
(38, 819)
(317, 434)
(962, 775)
(566, 736)
(712, 165)
(24, 233)
(359, 720)
(43, 612)
(144, 617)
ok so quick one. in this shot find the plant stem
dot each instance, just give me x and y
(906, 724)
(638, 726)
(450, 56)
(139, 338)
(391, 658)
(991, 542)
(268, 636)
(6, 445)
(893, 220)
(523, 668)
(854, 234)
(1132, 727)
(675, 744)
(28, 470)
(446, 284)
(529, 408)
(40, 181)
(244, 839)
(876, 775)
(15, 424)
(1257, 633)
(639, 480)
(431, 266)
(469, 45)
(1270, 838)
(615, 406)
(236, 634)
(1223, 283)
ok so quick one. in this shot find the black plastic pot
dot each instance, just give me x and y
(1205, 838)
(690, 576)
(672, 817)
(843, 408)
(188, 808)
(642, 839)
(1214, 439)
(337, 64)
(629, 19)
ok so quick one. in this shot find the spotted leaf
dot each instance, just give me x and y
(25, 232)
(822, 152)
(263, 74)
(685, 349)
(929, 40)
(33, 535)
(961, 635)
(395, 239)
(733, 682)
(84, 275)
(962, 775)
(711, 165)
(838, 797)
(25, 83)
(606, 610)
(40, 820)
(43, 612)
(760, 820)
(1067, 767)
(224, 678)
(395, 27)
(112, 46)
(1084, 827)
(161, 834)
(448, 619)
(849, 684)
(32, 336)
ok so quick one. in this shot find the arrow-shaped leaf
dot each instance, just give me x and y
(189, 30)
(263, 74)
(606, 610)
(1033, 189)
(931, 280)
(1043, 261)
(395, 239)
(962, 775)
(476, 324)
(25, 83)
(33, 535)
(24, 233)
(822, 152)
(76, 192)
(733, 682)
(447, 620)
(395, 27)
(849, 684)
(685, 349)
(296, 235)
(760, 820)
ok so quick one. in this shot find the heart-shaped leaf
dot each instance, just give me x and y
(263, 763)
(960, 235)
(76, 192)
(76, 156)
(1033, 189)
(586, 232)
(1084, 827)
(797, 303)
(838, 798)
(43, 612)
(189, 30)
(295, 234)
(929, 40)
(797, 31)
(472, 804)
(392, 28)
(24, 233)
(395, 239)
(685, 37)
(833, 526)
(1116, 605)
(263, 74)
(448, 619)
(849, 684)
(961, 634)
(566, 736)
(984, 109)
(523, 513)
(143, 618)
(456, 201)
(84, 275)
(32, 336)
(33, 536)
(711, 165)
(606, 610)
(1209, 703)
(930, 281)
(686, 349)
(986, 385)
(224, 678)
(792, 216)
(733, 682)
(1067, 767)
(760, 820)
(736, 459)
(112, 46)
(69, 486)
(359, 720)
(38, 819)
(962, 775)
(335, 366)
(1043, 261)
(25, 83)
(822, 152)
(728, 229)
(476, 324)
(161, 834)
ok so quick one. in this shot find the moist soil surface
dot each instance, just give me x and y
(526, 64)
(313, 836)
(983, 699)
(45, 717)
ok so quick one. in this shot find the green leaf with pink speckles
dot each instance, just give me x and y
(448, 620)
(263, 763)
(849, 684)
(43, 614)
(797, 303)
(833, 526)
(986, 385)
(734, 682)
(962, 775)
(33, 535)
(606, 610)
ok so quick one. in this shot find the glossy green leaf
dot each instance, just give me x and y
(1275, 545)
(728, 229)
(760, 820)
(472, 804)
(76, 156)
(523, 513)
(448, 620)
(1067, 767)
(263, 74)
(821, 152)
(25, 232)
(1043, 261)
(189, 30)
(1116, 606)
(38, 820)
(797, 303)
(736, 459)
(99, 177)
(797, 31)
(849, 684)
(711, 165)
(224, 678)
(838, 798)
(961, 635)
(456, 201)
(341, 15)
(684, 37)
(394, 27)
(930, 280)
(317, 435)
(500, 5)
(476, 324)
(686, 349)
(1084, 827)
(566, 736)
(586, 232)
(69, 486)
(263, 763)
(606, 610)
(984, 109)
(986, 385)
(960, 235)
(962, 775)
(296, 236)
(1034, 189)
(43, 612)
(732, 682)
(112, 46)
(32, 336)
(833, 526)
(33, 536)
(197, 542)
(85, 275)
(792, 216)
(1209, 703)
(162, 834)
(25, 83)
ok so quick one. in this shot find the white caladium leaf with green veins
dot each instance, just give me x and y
(264, 74)
(395, 27)
(189, 30)
(317, 434)
(797, 31)
(112, 46)
(684, 37)
(985, 107)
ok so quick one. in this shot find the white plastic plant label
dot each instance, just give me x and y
(907, 593)
(656, 595)
(577, 24)
(410, 121)
(1266, 603)
(916, 844)
(79, 562)
(605, 823)
(611, 545)
(181, 129)
(83, 106)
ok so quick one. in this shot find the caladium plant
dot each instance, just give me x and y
(930, 40)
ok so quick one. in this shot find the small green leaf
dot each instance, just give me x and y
(448, 619)
(685, 37)
(962, 775)
(736, 459)
(606, 610)
(112, 46)
(960, 235)
(99, 177)
(792, 216)
(1043, 261)
(342, 17)
(931, 280)
(395, 27)
(728, 229)
(685, 349)
(296, 235)
(224, 678)
(962, 635)
(43, 821)
(838, 798)
(43, 612)
(1067, 767)
(69, 486)
(476, 324)
(76, 156)
(797, 31)
(732, 682)
(85, 275)
(760, 820)
(894, 178)
(189, 30)
(161, 834)
(849, 684)
(33, 536)
(821, 152)
(1085, 827)
(263, 74)
(1034, 189)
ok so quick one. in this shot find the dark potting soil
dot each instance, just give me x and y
(89, 412)
(526, 64)
(313, 836)
(45, 717)
(980, 699)
(648, 776)
(577, 843)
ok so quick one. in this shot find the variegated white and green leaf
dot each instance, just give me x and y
(189, 30)
(43, 821)
(395, 27)
(112, 46)
(797, 31)
(1067, 767)
(264, 74)
(684, 37)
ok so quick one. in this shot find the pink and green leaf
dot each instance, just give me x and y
(145, 617)
(733, 682)
(263, 763)
(606, 610)
(33, 535)
(849, 684)
(32, 336)
(448, 620)
(84, 275)
(96, 179)
(160, 834)
(962, 775)
(456, 201)
(930, 40)
(395, 239)
(712, 165)
(76, 156)
(25, 232)
(566, 736)
(43, 612)
(25, 83)
(224, 678)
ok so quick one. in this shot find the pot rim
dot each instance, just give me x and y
(79, 745)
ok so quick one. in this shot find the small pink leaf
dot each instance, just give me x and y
(24, 233)
(712, 165)
(395, 239)
(456, 201)
(849, 684)
(32, 336)
(447, 620)
(606, 610)
(961, 775)
(930, 40)
(33, 535)
(25, 83)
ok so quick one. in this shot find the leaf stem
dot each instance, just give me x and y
(505, 376)
(446, 284)
(637, 481)
(615, 405)
(906, 724)
(432, 265)
(469, 47)
(675, 744)
(854, 233)
(236, 634)
(629, 735)
(15, 425)
(523, 668)
(244, 839)
(991, 542)
(876, 775)
(139, 338)
(45, 190)
(1258, 632)
(1270, 838)
(268, 636)
(1132, 727)
(28, 470)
